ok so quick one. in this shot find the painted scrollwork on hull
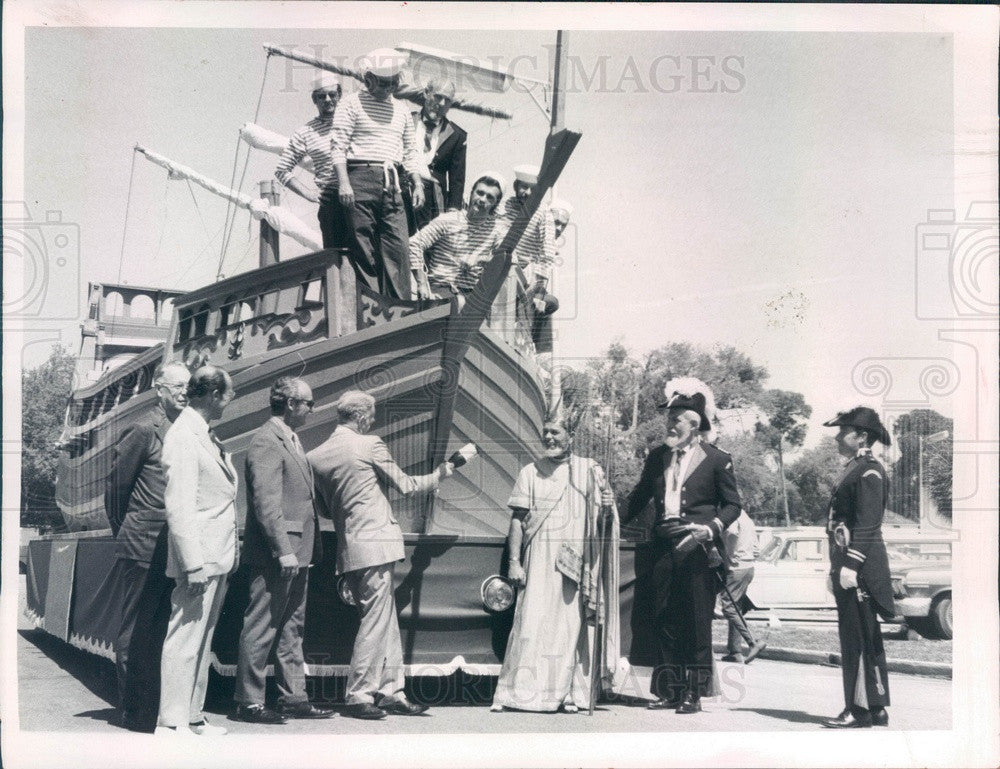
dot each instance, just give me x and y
(375, 309)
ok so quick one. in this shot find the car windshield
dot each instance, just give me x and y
(767, 552)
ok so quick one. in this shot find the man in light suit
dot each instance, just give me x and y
(695, 498)
(353, 470)
(133, 499)
(280, 541)
(201, 522)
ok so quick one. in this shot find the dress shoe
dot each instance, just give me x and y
(880, 717)
(663, 704)
(734, 657)
(303, 710)
(399, 707)
(364, 710)
(848, 720)
(138, 722)
(205, 729)
(258, 714)
(755, 648)
(690, 704)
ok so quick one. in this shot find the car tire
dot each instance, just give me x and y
(940, 617)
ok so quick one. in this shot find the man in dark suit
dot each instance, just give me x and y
(280, 541)
(353, 470)
(133, 500)
(442, 145)
(859, 569)
(693, 488)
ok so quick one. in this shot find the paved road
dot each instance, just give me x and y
(63, 689)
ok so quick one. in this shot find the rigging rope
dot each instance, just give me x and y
(128, 203)
(230, 225)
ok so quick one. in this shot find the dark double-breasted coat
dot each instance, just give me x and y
(858, 503)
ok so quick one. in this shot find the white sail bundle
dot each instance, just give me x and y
(280, 219)
(261, 138)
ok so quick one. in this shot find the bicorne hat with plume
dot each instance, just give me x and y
(691, 394)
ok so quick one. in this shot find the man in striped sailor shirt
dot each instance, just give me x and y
(373, 137)
(449, 254)
(313, 141)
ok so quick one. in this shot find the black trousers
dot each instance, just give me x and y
(145, 613)
(273, 623)
(684, 625)
(862, 655)
(377, 238)
(332, 222)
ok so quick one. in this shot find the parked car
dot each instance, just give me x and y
(923, 597)
(792, 567)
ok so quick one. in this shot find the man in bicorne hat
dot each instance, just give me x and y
(313, 141)
(373, 141)
(695, 497)
(859, 569)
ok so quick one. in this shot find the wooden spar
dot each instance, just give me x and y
(408, 92)
(269, 241)
(559, 82)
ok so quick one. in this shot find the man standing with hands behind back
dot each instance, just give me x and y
(280, 541)
(353, 470)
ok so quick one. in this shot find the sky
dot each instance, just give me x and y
(748, 188)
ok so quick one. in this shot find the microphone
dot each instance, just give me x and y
(463, 455)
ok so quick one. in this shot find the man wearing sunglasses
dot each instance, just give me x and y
(373, 140)
(313, 141)
(280, 541)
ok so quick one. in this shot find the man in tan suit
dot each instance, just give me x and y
(352, 472)
(280, 541)
(200, 500)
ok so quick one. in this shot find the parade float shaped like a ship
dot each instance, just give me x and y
(442, 377)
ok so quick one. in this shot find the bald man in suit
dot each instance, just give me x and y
(353, 471)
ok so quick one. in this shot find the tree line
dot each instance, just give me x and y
(614, 398)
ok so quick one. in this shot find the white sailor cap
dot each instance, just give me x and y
(561, 205)
(325, 80)
(526, 173)
(383, 62)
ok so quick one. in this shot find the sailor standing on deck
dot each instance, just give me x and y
(373, 140)
(859, 569)
(313, 140)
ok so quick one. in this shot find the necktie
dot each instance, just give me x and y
(429, 127)
(297, 445)
(675, 475)
(218, 444)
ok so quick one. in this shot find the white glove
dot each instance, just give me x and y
(848, 578)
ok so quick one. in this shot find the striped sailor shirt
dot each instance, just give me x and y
(313, 139)
(459, 248)
(365, 128)
(536, 251)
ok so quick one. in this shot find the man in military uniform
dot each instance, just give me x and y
(693, 488)
(859, 569)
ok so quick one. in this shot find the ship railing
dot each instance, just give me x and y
(509, 315)
(248, 316)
